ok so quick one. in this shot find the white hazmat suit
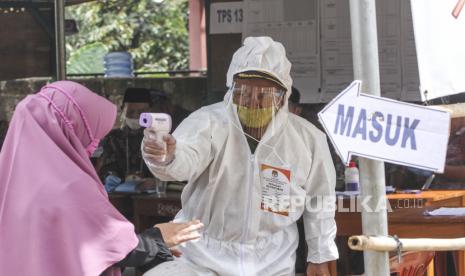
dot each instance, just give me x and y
(224, 187)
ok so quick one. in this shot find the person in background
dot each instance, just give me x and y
(294, 102)
(453, 177)
(55, 215)
(121, 156)
(243, 158)
(3, 130)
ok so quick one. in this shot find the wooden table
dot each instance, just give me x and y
(145, 210)
(154, 208)
(347, 219)
(410, 223)
(123, 203)
(407, 223)
(447, 198)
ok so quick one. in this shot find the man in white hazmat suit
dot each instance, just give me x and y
(252, 169)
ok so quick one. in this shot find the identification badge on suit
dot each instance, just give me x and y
(275, 182)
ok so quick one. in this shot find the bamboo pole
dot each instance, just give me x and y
(381, 243)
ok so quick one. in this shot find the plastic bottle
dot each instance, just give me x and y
(352, 178)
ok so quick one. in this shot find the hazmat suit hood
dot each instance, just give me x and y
(261, 54)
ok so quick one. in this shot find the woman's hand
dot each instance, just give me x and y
(318, 269)
(177, 233)
(176, 252)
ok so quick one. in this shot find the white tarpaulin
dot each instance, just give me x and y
(439, 27)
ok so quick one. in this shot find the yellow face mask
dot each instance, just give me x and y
(255, 117)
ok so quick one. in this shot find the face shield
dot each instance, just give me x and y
(256, 102)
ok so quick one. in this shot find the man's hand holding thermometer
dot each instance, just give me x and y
(158, 145)
(158, 148)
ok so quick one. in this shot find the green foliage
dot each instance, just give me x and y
(155, 34)
(87, 59)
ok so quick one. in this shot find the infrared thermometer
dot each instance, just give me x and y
(160, 123)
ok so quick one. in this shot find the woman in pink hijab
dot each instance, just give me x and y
(55, 216)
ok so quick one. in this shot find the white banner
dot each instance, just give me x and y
(294, 24)
(439, 27)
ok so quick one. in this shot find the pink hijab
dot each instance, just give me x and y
(55, 216)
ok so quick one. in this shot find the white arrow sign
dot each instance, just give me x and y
(386, 130)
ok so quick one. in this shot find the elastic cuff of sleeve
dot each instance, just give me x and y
(323, 256)
(164, 253)
(159, 165)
